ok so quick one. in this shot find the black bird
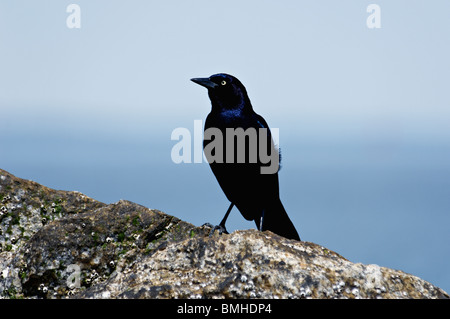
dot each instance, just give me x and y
(254, 193)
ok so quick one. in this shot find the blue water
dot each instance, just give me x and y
(363, 113)
(372, 203)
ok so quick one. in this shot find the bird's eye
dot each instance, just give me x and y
(223, 82)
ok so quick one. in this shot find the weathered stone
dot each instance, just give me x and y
(87, 249)
(252, 264)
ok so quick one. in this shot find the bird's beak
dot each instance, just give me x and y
(206, 82)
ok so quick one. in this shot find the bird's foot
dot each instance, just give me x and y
(220, 228)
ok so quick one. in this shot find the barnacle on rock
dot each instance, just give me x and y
(124, 250)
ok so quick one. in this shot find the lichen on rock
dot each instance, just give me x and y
(59, 244)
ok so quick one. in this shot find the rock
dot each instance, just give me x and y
(252, 264)
(58, 244)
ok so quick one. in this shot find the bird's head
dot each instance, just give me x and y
(225, 92)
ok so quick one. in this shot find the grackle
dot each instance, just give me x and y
(254, 192)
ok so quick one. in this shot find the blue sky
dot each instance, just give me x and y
(363, 113)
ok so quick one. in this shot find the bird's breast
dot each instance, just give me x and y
(228, 119)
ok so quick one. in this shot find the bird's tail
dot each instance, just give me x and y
(276, 219)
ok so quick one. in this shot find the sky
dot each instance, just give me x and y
(363, 113)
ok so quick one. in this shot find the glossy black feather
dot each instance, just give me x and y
(256, 195)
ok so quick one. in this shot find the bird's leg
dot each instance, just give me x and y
(221, 227)
(261, 221)
(224, 220)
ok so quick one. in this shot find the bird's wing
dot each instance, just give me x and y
(261, 122)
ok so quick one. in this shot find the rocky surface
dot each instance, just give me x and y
(59, 244)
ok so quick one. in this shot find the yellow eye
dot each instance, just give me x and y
(223, 82)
